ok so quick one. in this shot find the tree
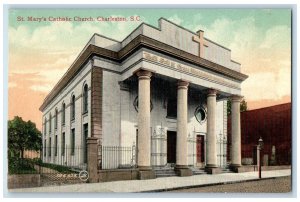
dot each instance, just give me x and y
(23, 135)
(243, 106)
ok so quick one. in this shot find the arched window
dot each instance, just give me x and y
(73, 107)
(85, 98)
(63, 114)
(56, 116)
(50, 120)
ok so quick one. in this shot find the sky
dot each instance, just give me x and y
(41, 52)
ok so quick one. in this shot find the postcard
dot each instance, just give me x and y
(149, 100)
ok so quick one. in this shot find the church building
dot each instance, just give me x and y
(155, 101)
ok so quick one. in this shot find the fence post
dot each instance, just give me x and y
(92, 167)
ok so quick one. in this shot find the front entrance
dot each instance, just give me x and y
(171, 147)
(200, 150)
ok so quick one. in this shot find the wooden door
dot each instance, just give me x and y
(171, 147)
(200, 148)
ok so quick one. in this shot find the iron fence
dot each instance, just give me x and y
(73, 157)
(222, 151)
(191, 151)
(159, 147)
(116, 157)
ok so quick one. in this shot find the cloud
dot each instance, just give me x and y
(175, 19)
(43, 55)
(42, 88)
(60, 37)
(278, 37)
(42, 81)
(267, 85)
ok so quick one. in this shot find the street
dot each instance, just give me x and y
(277, 185)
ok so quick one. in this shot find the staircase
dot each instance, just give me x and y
(226, 170)
(198, 171)
(164, 172)
(169, 171)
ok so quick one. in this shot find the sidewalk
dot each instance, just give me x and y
(159, 184)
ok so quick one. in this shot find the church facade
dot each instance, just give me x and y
(155, 100)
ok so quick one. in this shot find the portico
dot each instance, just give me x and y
(182, 166)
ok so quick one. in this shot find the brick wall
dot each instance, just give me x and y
(273, 124)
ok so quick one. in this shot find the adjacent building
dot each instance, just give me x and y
(273, 124)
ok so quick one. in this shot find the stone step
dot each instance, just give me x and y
(199, 172)
(227, 171)
(165, 175)
(159, 169)
(164, 172)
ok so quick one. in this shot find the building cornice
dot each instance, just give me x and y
(137, 43)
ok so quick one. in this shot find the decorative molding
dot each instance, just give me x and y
(180, 67)
(211, 92)
(143, 74)
(137, 43)
(182, 84)
(236, 98)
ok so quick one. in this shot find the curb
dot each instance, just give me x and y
(208, 185)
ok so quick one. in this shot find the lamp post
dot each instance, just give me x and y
(260, 147)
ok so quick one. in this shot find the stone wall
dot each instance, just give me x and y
(23, 181)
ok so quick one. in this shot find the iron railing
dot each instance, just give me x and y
(159, 147)
(116, 157)
(74, 157)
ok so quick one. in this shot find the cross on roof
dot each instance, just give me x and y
(200, 39)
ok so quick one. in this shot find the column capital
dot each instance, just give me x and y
(236, 98)
(211, 92)
(144, 74)
(182, 84)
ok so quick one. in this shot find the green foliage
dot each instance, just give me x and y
(243, 106)
(18, 165)
(22, 136)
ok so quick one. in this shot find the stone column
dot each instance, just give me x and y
(235, 132)
(144, 136)
(181, 142)
(92, 160)
(211, 152)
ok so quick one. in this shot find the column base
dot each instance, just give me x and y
(183, 170)
(237, 168)
(211, 166)
(145, 173)
(212, 169)
(144, 168)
